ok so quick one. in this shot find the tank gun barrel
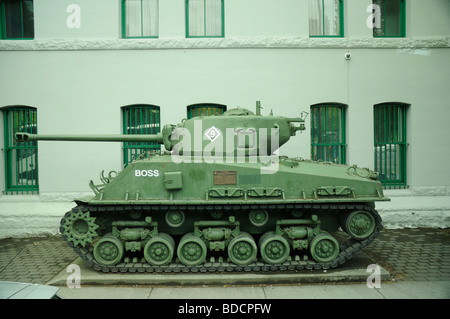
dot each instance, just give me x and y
(26, 137)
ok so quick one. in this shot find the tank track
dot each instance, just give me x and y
(295, 263)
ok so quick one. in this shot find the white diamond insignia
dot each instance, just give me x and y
(212, 133)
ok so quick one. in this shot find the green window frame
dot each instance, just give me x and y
(21, 158)
(205, 109)
(390, 144)
(328, 137)
(326, 18)
(140, 19)
(140, 119)
(205, 19)
(16, 20)
(392, 18)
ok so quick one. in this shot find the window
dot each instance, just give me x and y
(328, 132)
(326, 18)
(205, 109)
(16, 19)
(140, 119)
(21, 160)
(389, 18)
(204, 18)
(140, 18)
(390, 143)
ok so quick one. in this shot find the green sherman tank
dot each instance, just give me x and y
(219, 198)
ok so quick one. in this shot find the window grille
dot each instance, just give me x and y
(140, 18)
(21, 159)
(328, 141)
(140, 119)
(390, 143)
(204, 18)
(205, 109)
(16, 19)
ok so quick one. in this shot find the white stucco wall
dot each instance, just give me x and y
(78, 79)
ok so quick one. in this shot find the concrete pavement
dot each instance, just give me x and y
(390, 290)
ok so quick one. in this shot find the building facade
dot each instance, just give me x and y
(372, 75)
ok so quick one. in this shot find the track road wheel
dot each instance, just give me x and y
(274, 248)
(324, 247)
(159, 250)
(108, 250)
(242, 249)
(191, 250)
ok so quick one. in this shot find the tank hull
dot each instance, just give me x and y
(160, 180)
(289, 214)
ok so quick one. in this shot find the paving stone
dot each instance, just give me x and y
(417, 254)
(34, 260)
(408, 254)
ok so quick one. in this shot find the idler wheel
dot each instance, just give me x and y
(359, 224)
(159, 250)
(191, 250)
(108, 251)
(274, 248)
(324, 247)
(242, 249)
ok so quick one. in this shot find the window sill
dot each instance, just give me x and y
(16, 39)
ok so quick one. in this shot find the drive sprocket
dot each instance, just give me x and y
(78, 228)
